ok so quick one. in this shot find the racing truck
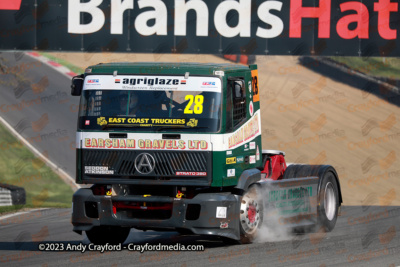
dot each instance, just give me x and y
(177, 147)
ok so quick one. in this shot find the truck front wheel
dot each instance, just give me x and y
(251, 215)
(101, 235)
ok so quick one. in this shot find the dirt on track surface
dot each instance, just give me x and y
(315, 120)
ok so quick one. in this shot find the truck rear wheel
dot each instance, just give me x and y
(328, 202)
(251, 215)
(101, 235)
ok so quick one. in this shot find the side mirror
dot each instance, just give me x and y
(238, 89)
(77, 85)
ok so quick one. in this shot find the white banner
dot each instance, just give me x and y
(159, 82)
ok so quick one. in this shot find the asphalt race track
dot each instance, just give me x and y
(363, 236)
(354, 241)
(36, 100)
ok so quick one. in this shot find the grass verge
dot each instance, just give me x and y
(19, 166)
(63, 62)
(373, 66)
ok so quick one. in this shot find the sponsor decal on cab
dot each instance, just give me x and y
(208, 83)
(145, 144)
(156, 81)
(137, 82)
(146, 122)
(191, 173)
(98, 170)
(231, 160)
(248, 131)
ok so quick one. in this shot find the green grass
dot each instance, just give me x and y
(63, 62)
(18, 166)
(373, 66)
(8, 209)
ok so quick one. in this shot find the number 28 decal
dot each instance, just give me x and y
(256, 90)
(198, 104)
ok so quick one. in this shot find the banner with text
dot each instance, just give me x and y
(246, 27)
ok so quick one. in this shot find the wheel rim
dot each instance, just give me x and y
(249, 213)
(330, 201)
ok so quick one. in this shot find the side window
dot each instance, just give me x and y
(236, 103)
(239, 102)
(229, 109)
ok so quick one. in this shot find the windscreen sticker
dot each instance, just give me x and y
(133, 82)
(198, 104)
(150, 81)
(145, 144)
(209, 84)
(146, 122)
(93, 81)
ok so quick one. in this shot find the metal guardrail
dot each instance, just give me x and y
(5, 197)
(12, 195)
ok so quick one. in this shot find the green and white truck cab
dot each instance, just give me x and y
(177, 146)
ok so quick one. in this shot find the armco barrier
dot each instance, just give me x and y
(12, 195)
(5, 197)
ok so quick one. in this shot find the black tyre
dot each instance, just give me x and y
(251, 215)
(101, 235)
(298, 170)
(328, 202)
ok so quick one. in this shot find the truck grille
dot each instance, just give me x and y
(167, 163)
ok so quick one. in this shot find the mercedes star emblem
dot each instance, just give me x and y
(144, 163)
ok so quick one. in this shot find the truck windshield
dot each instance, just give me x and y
(150, 110)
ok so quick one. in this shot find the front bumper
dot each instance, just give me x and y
(207, 222)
